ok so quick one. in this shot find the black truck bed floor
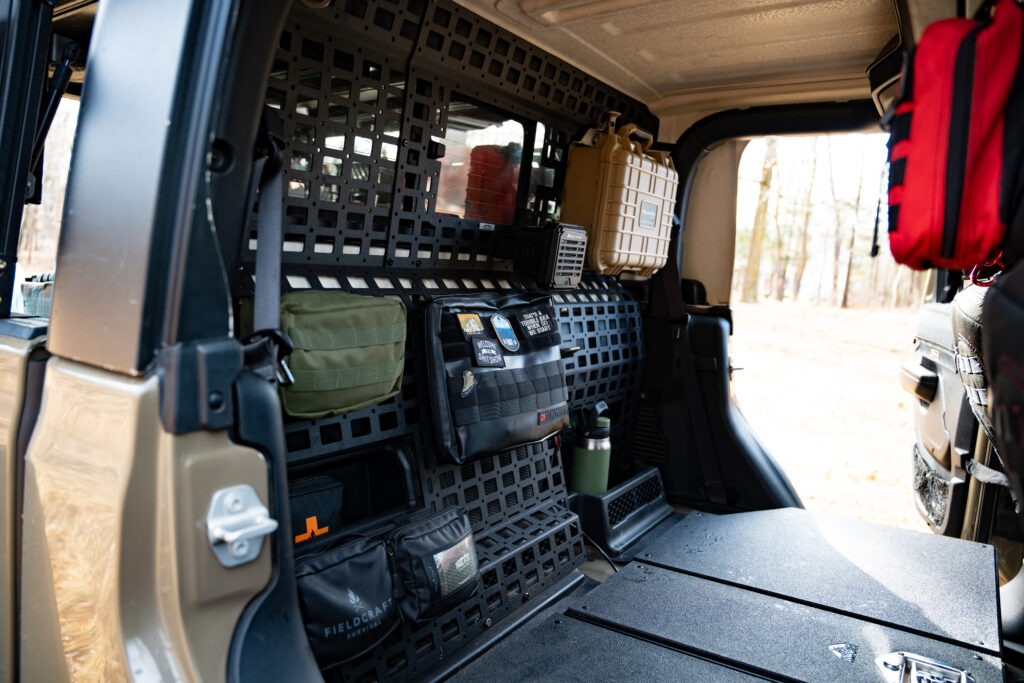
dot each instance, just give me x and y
(778, 595)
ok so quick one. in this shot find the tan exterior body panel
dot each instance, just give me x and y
(14, 355)
(115, 547)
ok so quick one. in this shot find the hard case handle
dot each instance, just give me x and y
(633, 129)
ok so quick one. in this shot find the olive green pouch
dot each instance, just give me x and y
(349, 351)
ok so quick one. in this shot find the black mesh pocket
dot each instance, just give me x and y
(436, 564)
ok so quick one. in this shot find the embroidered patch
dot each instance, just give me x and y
(468, 382)
(487, 353)
(536, 322)
(470, 323)
(506, 335)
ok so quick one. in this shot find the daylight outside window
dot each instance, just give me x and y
(480, 168)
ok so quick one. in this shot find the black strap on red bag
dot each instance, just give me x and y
(956, 141)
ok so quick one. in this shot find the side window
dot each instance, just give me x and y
(40, 223)
(480, 169)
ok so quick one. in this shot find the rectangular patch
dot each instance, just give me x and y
(536, 322)
(552, 415)
(470, 323)
(487, 353)
(648, 215)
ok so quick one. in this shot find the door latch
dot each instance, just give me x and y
(236, 523)
(905, 667)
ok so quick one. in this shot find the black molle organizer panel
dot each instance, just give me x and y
(399, 416)
(526, 538)
(469, 49)
(363, 90)
(460, 53)
(603, 321)
(523, 555)
(497, 487)
(338, 80)
(600, 318)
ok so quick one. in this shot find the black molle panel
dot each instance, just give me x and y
(364, 90)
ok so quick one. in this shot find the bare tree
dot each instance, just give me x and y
(781, 260)
(837, 229)
(897, 282)
(853, 231)
(752, 273)
(808, 209)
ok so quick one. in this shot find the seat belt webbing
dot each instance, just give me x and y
(672, 287)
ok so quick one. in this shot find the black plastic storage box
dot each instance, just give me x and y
(621, 515)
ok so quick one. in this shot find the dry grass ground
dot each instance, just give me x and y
(819, 386)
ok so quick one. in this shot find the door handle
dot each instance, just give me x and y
(919, 380)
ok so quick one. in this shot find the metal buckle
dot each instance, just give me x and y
(285, 378)
(257, 351)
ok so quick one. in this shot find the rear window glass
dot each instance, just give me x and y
(480, 168)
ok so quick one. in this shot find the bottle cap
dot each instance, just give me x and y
(603, 422)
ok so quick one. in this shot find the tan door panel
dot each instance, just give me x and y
(14, 355)
(116, 509)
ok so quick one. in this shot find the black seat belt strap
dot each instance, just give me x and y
(679, 324)
(268, 345)
(267, 299)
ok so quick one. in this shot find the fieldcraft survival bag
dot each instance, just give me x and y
(349, 351)
(347, 599)
(496, 375)
(956, 142)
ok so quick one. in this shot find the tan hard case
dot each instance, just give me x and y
(624, 195)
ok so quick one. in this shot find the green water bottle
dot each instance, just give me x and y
(590, 459)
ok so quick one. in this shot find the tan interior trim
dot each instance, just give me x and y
(709, 242)
(783, 91)
(505, 13)
(554, 12)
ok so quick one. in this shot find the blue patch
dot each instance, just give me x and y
(506, 335)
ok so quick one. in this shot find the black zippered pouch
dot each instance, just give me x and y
(435, 560)
(497, 378)
(316, 507)
(347, 599)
